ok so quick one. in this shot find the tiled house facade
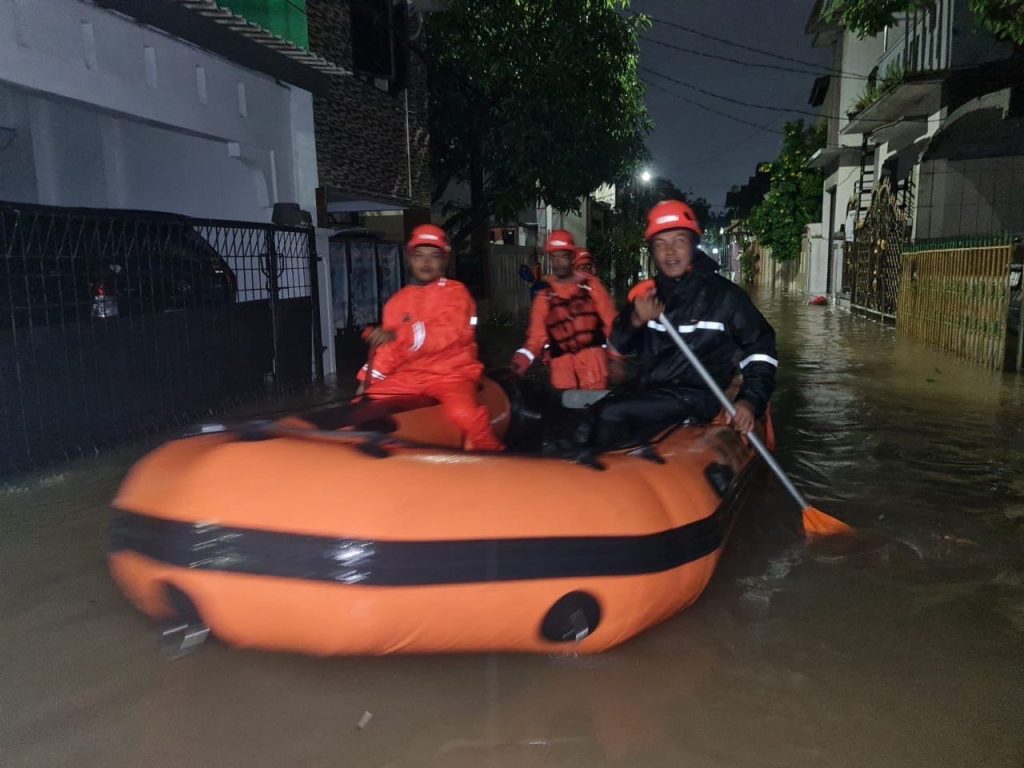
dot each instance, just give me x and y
(371, 145)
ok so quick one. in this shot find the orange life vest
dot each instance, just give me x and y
(572, 321)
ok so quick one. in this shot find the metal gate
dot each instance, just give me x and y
(872, 265)
(115, 324)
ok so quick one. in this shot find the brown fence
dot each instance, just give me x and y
(958, 299)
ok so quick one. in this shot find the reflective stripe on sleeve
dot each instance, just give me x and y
(758, 358)
(419, 335)
(525, 353)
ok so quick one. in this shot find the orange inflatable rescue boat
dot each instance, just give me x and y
(360, 528)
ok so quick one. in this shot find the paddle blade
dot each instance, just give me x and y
(817, 523)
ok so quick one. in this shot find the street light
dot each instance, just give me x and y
(645, 176)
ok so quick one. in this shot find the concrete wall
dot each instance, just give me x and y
(816, 269)
(975, 197)
(805, 274)
(969, 182)
(109, 113)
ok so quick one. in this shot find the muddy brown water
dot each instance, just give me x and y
(904, 647)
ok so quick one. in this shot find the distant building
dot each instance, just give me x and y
(740, 201)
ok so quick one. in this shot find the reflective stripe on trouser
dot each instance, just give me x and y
(587, 369)
(458, 400)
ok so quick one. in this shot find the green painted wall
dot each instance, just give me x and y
(285, 18)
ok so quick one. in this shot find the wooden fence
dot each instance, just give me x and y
(958, 299)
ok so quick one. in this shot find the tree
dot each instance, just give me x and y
(620, 254)
(640, 198)
(702, 209)
(794, 197)
(1004, 18)
(532, 99)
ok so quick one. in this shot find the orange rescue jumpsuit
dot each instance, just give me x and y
(573, 318)
(434, 354)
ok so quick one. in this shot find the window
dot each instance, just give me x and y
(373, 51)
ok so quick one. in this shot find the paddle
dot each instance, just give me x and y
(816, 522)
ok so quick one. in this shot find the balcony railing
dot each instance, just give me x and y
(928, 39)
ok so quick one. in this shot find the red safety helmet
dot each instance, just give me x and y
(671, 214)
(560, 240)
(429, 234)
(583, 257)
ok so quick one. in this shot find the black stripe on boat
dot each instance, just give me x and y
(415, 563)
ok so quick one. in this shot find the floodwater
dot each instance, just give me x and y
(904, 647)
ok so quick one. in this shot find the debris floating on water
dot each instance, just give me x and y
(364, 720)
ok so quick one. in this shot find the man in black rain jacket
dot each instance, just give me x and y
(713, 315)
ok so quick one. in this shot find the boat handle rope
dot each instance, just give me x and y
(375, 443)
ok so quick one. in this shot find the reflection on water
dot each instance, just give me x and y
(904, 647)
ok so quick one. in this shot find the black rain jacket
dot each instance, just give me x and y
(721, 325)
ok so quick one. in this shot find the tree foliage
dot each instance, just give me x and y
(1004, 18)
(640, 198)
(794, 197)
(620, 254)
(533, 99)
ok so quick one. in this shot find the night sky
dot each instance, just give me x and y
(704, 152)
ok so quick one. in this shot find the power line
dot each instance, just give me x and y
(751, 48)
(706, 108)
(771, 108)
(705, 159)
(713, 95)
(730, 59)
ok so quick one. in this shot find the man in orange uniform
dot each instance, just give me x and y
(572, 316)
(426, 344)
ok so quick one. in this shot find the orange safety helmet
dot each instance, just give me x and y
(429, 234)
(560, 240)
(583, 258)
(671, 214)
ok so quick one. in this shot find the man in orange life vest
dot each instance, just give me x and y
(573, 316)
(584, 262)
(426, 344)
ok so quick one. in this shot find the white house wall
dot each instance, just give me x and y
(573, 222)
(852, 56)
(17, 159)
(856, 57)
(110, 113)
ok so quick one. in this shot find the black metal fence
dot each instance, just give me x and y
(117, 323)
